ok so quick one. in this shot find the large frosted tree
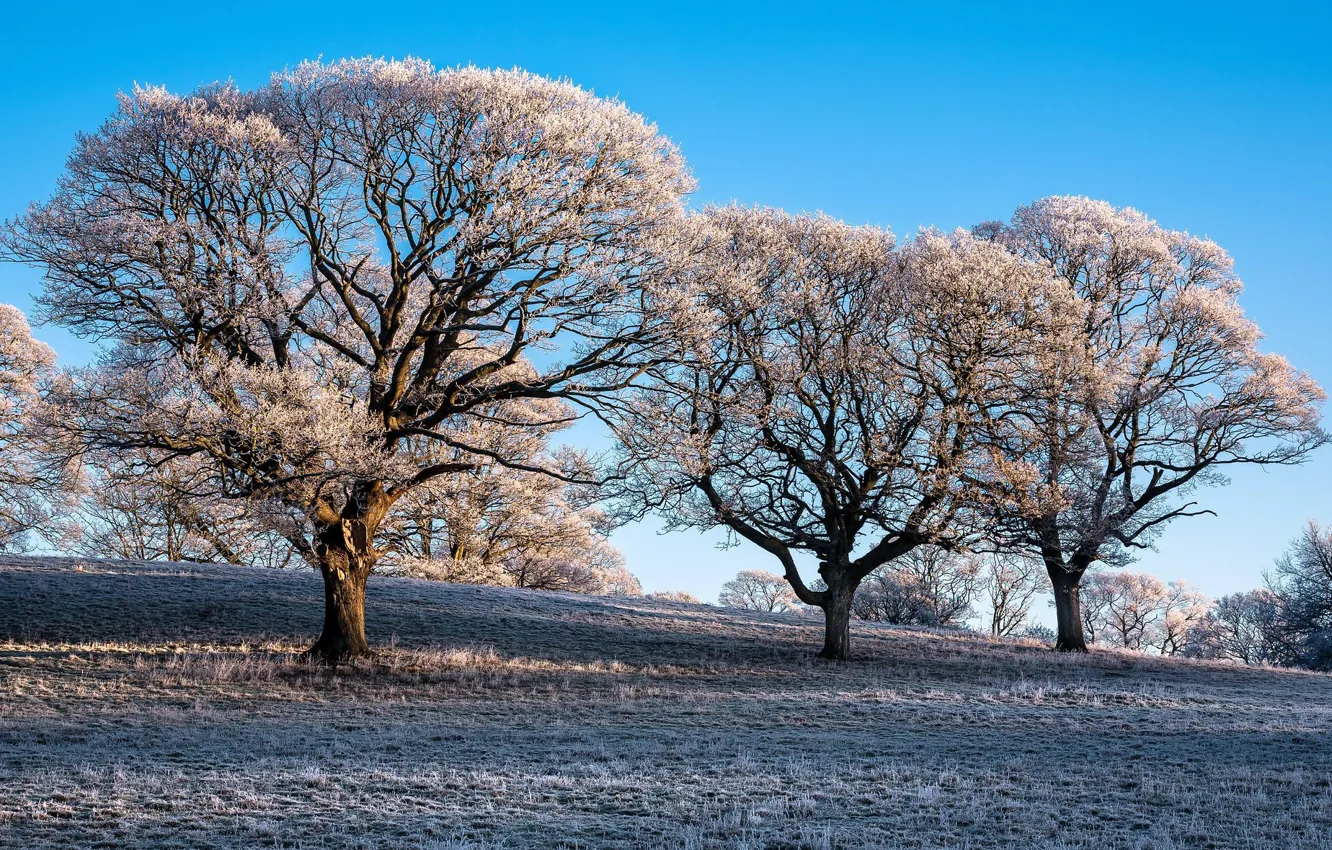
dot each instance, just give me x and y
(321, 285)
(850, 407)
(1167, 389)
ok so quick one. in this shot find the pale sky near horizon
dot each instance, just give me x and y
(1215, 118)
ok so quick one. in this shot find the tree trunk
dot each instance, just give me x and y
(1068, 607)
(343, 637)
(837, 619)
(346, 555)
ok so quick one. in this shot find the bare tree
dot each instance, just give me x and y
(127, 506)
(1120, 608)
(1141, 612)
(851, 405)
(1242, 627)
(320, 286)
(1288, 623)
(1169, 390)
(1183, 610)
(927, 586)
(495, 524)
(947, 581)
(757, 590)
(674, 596)
(1302, 581)
(1010, 583)
(27, 483)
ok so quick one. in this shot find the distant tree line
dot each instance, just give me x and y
(1288, 622)
(342, 316)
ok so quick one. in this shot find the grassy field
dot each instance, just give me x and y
(165, 705)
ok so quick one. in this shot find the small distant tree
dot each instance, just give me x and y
(1289, 622)
(675, 596)
(506, 526)
(1121, 608)
(1242, 627)
(1037, 631)
(1183, 610)
(128, 507)
(601, 572)
(757, 590)
(948, 582)
(1010, 583)
(26, 483)
(1302, 581)
(1141, 612)
(886, 596)
(927, 587)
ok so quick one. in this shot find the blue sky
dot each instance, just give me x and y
(1216, 118)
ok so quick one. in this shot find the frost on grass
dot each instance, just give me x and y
(157, 705)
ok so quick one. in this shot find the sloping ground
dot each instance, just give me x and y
(165, 705)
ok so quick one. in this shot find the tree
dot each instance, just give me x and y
(757, 590)
(927, 586)
(1242, 627)
(1289, 622)
(850, 405)
(1302, 582)
(946, 582)
(128, 507)
(26, 482)
(1183, 610)
(675, 596)
(495, 524)
(320, 286)
(1121, 608)
(1036, 631)
(1140, 611)
(887, 597)
(1009, 585)
(1169, 390)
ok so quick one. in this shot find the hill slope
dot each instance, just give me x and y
(164, 705)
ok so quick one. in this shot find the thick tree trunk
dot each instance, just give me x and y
(343, 636)
(837, 619)
(1068, 607)
(346, 555)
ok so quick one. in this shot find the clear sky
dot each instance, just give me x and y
(1212, 117)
